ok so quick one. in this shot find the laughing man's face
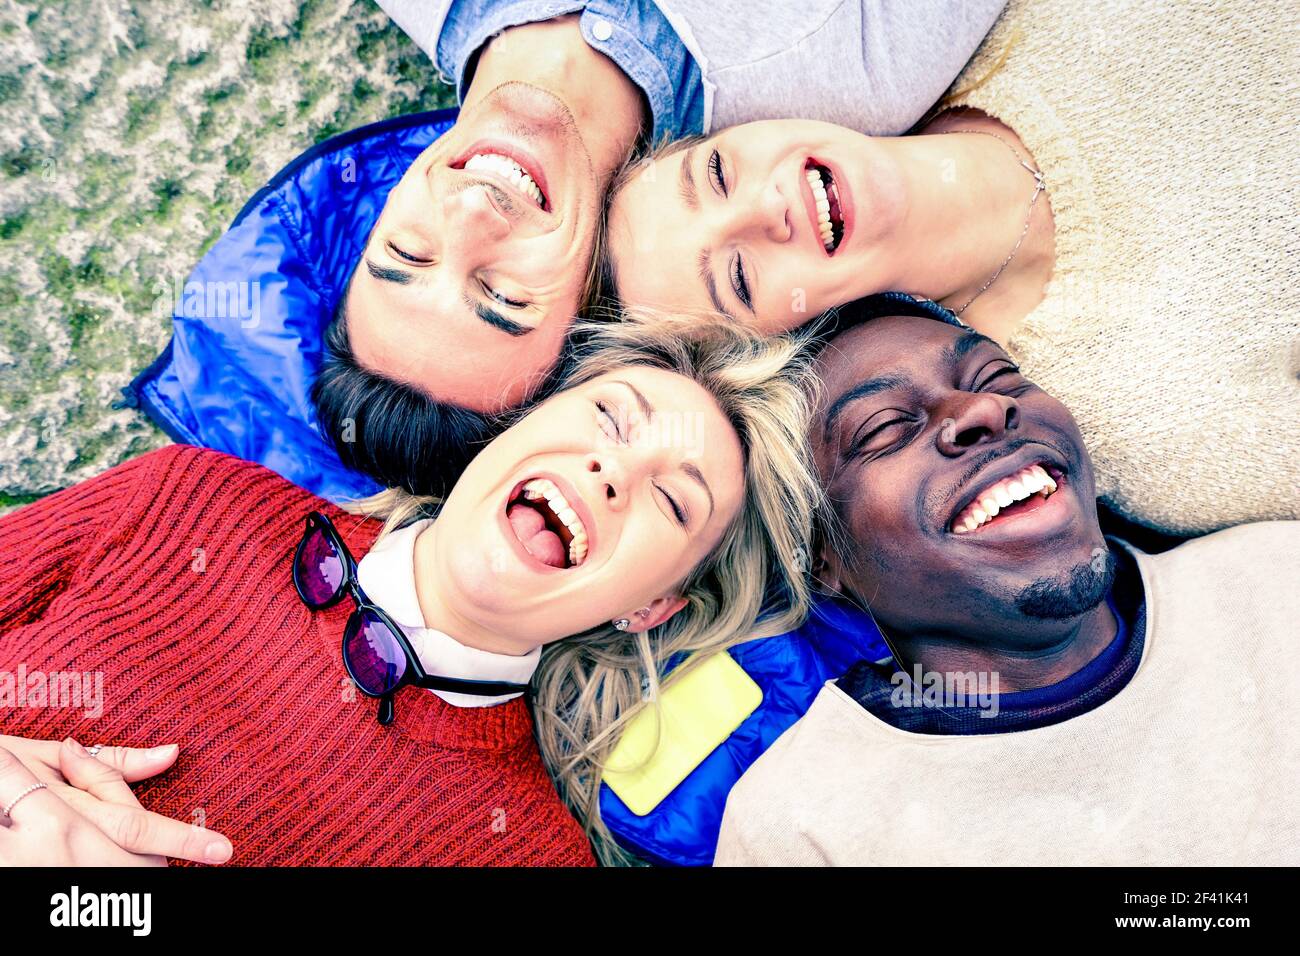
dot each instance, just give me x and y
(966, 491)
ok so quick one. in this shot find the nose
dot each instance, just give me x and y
(763, 213)
(471, 212)
(609, 478)
(976, 419)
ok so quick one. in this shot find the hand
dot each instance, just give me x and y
(45, 831)
(95, 788)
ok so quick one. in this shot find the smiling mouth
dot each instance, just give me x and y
(1023, 492)
(826, 197)
(510, 170)
(546, 525)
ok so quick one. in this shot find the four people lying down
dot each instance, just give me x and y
(661, 502)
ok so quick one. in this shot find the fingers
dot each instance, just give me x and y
(15, 780)
(95, 777)
(138, 763)
(119, 815)
(143, 832)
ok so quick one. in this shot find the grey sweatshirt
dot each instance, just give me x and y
(872, 65)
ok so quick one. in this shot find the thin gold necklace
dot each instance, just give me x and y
(1039, 186)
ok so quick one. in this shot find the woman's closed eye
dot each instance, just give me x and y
(740, 282)
(498, 297)
(611, 421)
(718, 174)
(681, 514)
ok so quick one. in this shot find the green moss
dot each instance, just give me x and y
(16, 501)
(20, 162)
(82, 320)
(11, 227)
(10, 87)
(143, 111)
(166, 191)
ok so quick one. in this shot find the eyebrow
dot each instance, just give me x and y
(958, 350)
(647, 409)
(952, 354)
(696, 475)
(400, 276)
(686, 180)
(481, 311)
(689, 468)
(705, 264)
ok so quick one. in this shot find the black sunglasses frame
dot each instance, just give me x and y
(415, 674)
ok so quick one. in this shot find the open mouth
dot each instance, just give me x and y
(546, 525)
(826, 199)
(517, 172)
(1021, 493)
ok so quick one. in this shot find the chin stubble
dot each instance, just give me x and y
(1070, 593)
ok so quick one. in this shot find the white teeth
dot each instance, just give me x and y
(508, 169)
(823, 204)
(539, 488)
(1033, 480)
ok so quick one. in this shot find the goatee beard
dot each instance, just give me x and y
(1069, 594)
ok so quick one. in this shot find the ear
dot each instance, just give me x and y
(655, 613)
(827, 572)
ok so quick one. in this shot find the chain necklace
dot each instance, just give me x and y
(1039, 186)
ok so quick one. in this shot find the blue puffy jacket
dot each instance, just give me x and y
(237, 374)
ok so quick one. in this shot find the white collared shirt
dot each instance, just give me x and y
(387, 575)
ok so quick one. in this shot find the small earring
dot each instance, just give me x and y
(622, 624)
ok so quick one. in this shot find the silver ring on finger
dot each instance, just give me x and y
(9, 810)
(94, 751)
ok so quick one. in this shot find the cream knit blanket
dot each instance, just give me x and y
(1167, 132)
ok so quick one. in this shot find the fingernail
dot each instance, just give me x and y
(77, 749)
(158, 753)
(218, 852)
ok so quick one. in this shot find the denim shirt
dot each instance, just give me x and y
(632, 33)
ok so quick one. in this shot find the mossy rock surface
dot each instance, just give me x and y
(132, 133)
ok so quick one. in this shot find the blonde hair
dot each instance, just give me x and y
(754, 584)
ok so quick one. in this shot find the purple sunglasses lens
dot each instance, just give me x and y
(375, 659)
(320, 568)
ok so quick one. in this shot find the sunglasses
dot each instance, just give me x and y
(376, 652)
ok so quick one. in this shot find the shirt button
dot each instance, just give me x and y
(601, 30)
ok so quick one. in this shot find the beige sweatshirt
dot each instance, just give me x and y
(1171, 328)
(1195, 761)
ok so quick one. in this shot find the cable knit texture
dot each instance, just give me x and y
(1166, 132)
(170, 576)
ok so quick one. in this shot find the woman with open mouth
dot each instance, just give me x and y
(643, 512)
(1103, 193)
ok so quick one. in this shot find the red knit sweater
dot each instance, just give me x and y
(169, 576)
